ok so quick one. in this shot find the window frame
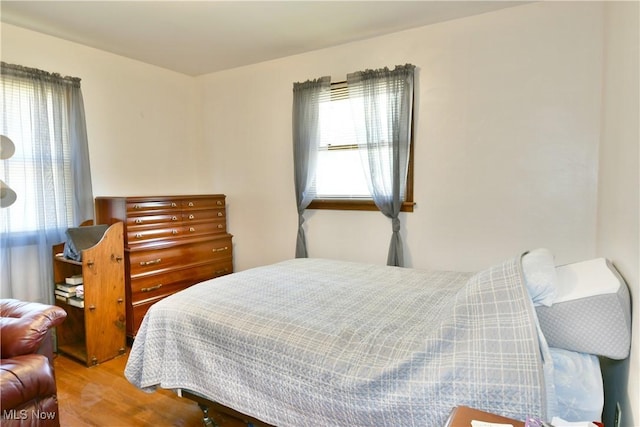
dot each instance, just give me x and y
(367, 204)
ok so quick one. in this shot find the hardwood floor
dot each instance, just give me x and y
(101, 396)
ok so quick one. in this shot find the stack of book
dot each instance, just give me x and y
(71, 292)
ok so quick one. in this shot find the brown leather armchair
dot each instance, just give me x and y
(27, 381)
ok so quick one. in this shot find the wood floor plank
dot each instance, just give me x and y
(101, 396)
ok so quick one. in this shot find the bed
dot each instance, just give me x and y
(316, 342)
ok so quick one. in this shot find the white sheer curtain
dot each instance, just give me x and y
(306, 137)
(384, 98)
(43, 114)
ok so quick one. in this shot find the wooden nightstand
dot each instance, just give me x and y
(461, 416)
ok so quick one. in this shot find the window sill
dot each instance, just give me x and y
(353, 205)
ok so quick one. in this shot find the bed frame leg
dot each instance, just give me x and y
(206, 420)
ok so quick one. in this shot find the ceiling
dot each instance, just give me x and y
(200, 37)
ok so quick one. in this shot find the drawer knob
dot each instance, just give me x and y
(136, 206)
(173, 205)
(174, 218)
(174, 231)
(192, 216)
(138, 235)
(220, 214)
(138, 221)
(190, 204)
(191, 229)
(219, 203)
(152, 262)
(220, 249)
(151, 288)
(220, 226)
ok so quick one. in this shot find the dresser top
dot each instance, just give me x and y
(164, 197)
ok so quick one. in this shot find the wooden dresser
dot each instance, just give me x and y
(171, 243)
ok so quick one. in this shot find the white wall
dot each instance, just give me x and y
(509, 112)
(143, 122)
(619, 186)
(506, 143)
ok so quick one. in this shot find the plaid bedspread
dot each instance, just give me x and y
(313, 342)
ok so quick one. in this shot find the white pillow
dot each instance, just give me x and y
(540, 276)
(586, 279)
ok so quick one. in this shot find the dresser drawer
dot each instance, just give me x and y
(136, 313)
(141, 235)
(203, 215)
(157, 285)
(165, 283)
(203, 203)
(137, 308)
(134, 207)
(155, 260)
(217, 226)
(143, 220)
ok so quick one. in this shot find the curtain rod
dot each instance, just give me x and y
(34, 73)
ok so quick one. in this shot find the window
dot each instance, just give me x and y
(340, 175)
(43, 115)
(383, 120)
(41, 151)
